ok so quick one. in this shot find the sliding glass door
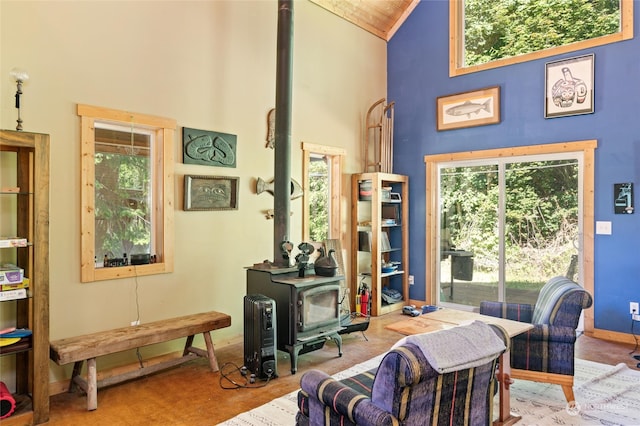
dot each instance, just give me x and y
(469, 233)
(507, 225)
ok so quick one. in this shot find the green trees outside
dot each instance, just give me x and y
(541, 216)
(319, 196)
(496, 29)
(542, 219)
(122, 213)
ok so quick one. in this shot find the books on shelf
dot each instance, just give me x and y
(6, 242)
(385, 245)
(364, 241)
(20, 293)
(11, 274)
(15, 286)
(13, 332)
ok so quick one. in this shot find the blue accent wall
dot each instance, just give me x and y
(418, 73)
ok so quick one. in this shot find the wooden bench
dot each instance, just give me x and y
(90, 346)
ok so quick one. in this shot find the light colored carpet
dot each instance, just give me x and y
(606, 395)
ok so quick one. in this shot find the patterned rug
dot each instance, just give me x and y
(606, 395)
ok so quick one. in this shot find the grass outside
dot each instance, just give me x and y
(490, 278)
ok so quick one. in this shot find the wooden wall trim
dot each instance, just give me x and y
(613, 336)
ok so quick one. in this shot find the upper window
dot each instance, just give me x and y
(127, 194)
(492, 33)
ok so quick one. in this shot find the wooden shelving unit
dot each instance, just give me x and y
(27, 210)
(379, 234)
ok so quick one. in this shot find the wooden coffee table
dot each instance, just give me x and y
(447, 318)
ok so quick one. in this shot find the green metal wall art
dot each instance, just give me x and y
(209, 148)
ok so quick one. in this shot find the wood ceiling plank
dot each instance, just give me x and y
(379, 17)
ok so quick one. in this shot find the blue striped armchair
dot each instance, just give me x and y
(409, 387)
(546, 352)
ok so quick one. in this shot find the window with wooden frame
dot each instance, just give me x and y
(322, 176)
(127, 194)
(561, 28)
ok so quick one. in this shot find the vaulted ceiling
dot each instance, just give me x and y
(379, 17)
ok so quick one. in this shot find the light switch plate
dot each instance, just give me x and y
(603, 227)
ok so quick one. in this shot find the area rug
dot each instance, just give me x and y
(605, 394)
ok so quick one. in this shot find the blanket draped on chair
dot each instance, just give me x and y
(461, 348)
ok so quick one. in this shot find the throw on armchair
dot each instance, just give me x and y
(445, 377)
(546, 352)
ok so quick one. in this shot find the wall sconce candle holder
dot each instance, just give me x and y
(20, 76)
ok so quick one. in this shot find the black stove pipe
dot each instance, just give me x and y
(282, 164)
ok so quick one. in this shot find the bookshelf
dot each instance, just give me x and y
(24, 191)
(380, 231)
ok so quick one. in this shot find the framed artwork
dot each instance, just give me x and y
(468, 109)
(210, 192)
(623, 193)
(208, 148)
(569, 87)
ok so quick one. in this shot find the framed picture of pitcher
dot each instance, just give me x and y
(569, 85)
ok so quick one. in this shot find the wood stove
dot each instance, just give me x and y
(307, 308)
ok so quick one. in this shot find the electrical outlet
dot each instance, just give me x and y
(134, 323)
(633, 308)
(411, 280)
(635, 317)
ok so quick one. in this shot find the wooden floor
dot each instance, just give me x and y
(193, 395)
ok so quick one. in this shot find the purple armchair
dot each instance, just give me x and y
(411, 386)
(546, 352)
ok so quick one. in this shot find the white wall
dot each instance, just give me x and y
(209, 65)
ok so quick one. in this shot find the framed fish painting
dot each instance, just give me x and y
(468, 109)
